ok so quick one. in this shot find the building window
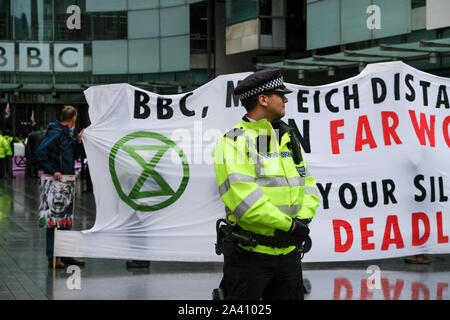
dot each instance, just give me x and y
(265, 16)
(199, 27)
(5, 20)
(418, 3)
(265, 8)
(62, 32)
(239, 11)
(33, 20)
(109, 25)
(266, 25)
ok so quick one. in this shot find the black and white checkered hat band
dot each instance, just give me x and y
(272, 84)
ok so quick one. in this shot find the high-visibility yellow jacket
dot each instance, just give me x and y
(261, 186)
(2, 147)
(8, 151)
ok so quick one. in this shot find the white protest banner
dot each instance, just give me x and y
(378, 145)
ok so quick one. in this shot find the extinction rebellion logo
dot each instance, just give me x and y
(133, 173)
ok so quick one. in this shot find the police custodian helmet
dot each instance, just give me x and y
(261, 81)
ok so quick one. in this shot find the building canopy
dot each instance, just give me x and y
(423, 54)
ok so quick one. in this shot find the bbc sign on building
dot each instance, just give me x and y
(42, 57)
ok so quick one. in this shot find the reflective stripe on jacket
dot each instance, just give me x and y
(2, 147)
(9, 151)
(260, 184)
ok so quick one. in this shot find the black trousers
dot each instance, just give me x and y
(255, 276)
(2, 167)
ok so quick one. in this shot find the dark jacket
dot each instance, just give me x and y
(58, 151)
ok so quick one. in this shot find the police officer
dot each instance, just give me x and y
(268, 192)
(9, 154)
(3, 147)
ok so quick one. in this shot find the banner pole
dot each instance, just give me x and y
(54, 257)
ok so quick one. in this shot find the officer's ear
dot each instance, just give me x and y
(263, 100)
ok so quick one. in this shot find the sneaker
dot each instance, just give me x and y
(77, 262)
(58, 265)
(419, 259)
(73, 261)
(138, 264)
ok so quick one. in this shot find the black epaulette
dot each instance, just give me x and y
(294, 143)
(234, 133)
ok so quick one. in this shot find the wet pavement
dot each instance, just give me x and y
(24, 272)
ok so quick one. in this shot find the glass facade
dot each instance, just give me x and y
(62, 33)
(336, 22)
(144, 35)
(172, 59)
(174, 21)
(139, 51)
(5, 20)
(33, 20)
(142, 4)
(109, 25)
(119, 41)
(44, 63)
(239, 11)
(143, 24)
(199, 28)
(255, 24)
(265, 14)
(265, 7)
(106, 5)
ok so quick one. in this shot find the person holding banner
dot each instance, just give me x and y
(56, 156)
(269, 194)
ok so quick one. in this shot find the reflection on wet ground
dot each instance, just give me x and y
(24, 272)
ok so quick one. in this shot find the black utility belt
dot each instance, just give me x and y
(228, 237)
(251, 239)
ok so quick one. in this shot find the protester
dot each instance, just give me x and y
(56, 156)
(2, 155)
(9, 152)
(269, 195)
(31, 143)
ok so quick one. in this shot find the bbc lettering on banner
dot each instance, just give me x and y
(378, 145)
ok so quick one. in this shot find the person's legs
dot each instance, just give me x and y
(288, 281)
(71, 260)
(60, 262)
(2, 167)
(9, 169)
(50, 237)
(246, 275)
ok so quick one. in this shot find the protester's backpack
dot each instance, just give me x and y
(37, 139)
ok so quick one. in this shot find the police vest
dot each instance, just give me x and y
(8, 151)
(2, 147)
(261, 186)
